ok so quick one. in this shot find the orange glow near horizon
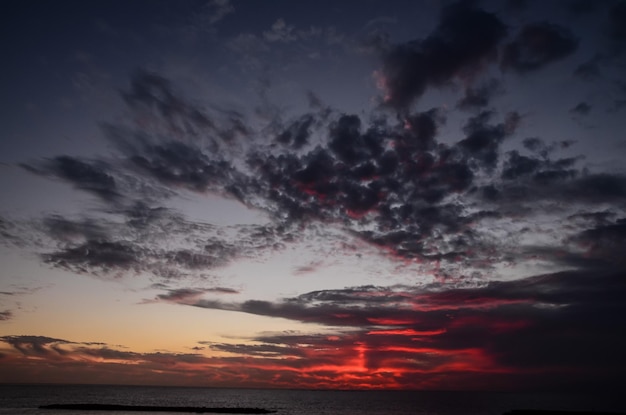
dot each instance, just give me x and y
(355, 366)
(406, 332)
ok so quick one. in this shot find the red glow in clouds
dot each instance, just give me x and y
(350, 362)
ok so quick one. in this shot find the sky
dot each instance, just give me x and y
(314, 194)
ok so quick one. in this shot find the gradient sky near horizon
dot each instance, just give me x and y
(314, 194)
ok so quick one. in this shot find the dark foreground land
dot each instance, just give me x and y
(540, 412)
(137, 408)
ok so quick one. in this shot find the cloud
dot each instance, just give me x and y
(280, 32)
(217, 10)
(152, 97)
(96, 257)
(483, 140)
(580, 7)
(496, 334)
(479, 97)
(297, 134)
(590, 69)
(604, 241)
(390, 183)
(393, 185)
(464, 38)
(86, 361)
(454, 203)
(503, 330)
(175, 163)
(539, 170)
(63, 229)
(190, 295)
(11, 300)
(35, 345)
(581, 108)
(517, 4)
(8, 231)
(617, 21)
(92, 177)
(203, 21)
(142, 244)
(536, 46)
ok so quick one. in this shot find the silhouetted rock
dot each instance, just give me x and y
(542, 412)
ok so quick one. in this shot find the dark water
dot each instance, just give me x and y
(20, 399)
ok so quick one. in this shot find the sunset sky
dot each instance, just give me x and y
(314, 194)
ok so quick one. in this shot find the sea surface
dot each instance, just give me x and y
(25, 399)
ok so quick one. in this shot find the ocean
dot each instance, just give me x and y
(25, 399)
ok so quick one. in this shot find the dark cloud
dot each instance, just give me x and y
(297, 133)
(200, 165)
(8, 231)
(534, 144)
(35, 345)
(261, 350)
(517, 4)
(536, 46)
(539, 177)
(601, 187)
(545, 149)
(153, 97)
(191, 295)
(463, 39)
(217, 254)
(11, 300)
(107, 353)
(550, 327)
(483, 140)
(581, 108)
(617, 23)
(589, 70)
(419, 309)
(142, 244)
(96, 257)
(509, 326)
(447, 208)
(422, 128)
(93, 177)
(222, 290)
(346, 140)
(176, 163)
(393, 184)
(63, 229)
(581, 7)
(605, 241)
(89, 360)
(518, 165)
(618, 105)
(393, 177)
(477, 98)
(557, 181)
(595, 217)
(141, 216)
(181, 296)
(540, 170)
